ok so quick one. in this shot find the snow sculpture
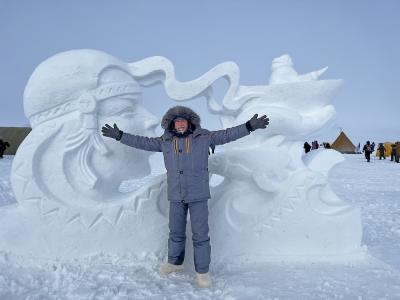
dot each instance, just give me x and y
(66, 177)
(283, 72)
(273, 201)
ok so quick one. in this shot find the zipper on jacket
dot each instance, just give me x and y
(178, 164)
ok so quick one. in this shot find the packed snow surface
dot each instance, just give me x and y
(373, 187)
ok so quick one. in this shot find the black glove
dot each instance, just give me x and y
(111, 132)
(259, 123)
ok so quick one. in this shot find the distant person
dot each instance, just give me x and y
(394, 152)
(367, 151)
(381, 149)
(327, 146)
(372, 147)
(3, 146)
(358, 149)
(307, 147)
(397, 156)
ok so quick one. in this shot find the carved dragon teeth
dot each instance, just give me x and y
(113, 214)
(48, 207)
(72, 218)
(119, 215)
(96, 220)
(138, 203)
(89, 218)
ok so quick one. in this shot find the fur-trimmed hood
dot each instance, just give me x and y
(187, 112)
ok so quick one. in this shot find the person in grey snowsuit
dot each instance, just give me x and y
(185, 147)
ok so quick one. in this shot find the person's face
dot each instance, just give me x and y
(181, 125)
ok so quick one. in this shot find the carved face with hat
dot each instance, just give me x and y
(65, 100)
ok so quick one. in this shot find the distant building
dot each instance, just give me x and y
(343, 144)
(15, 136)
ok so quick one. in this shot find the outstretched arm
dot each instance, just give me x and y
(142, 142)
(136, 141)
(224, 136)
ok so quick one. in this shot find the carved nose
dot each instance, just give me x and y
(150, 121)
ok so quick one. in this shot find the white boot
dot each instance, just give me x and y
(167, 268)
(203, 280)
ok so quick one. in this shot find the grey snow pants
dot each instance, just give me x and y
(177, 233)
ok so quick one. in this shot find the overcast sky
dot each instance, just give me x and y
(358, 40)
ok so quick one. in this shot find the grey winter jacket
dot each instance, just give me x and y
(186, 158)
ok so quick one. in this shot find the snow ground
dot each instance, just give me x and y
(373, 187)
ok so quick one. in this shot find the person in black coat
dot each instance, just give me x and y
(3, 146)
(367, 151)
(373, 147)
(381, 149)
(307, 147)
(393, 153)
